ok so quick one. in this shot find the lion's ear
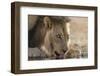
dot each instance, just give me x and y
(47, 22)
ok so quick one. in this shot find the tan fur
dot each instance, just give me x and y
(74, 52)
(50, 35)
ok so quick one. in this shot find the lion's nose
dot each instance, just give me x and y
(64, 50)
(57, 54)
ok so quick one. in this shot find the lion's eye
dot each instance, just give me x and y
(59, 36)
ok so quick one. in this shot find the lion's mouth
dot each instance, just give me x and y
(59, 56)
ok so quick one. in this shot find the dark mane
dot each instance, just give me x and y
(35, 35)
(59, 19)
